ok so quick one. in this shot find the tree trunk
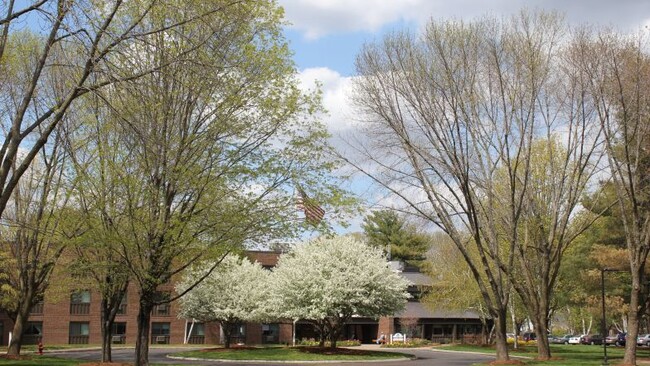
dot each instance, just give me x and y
(107, 318)
(322, 333)
(541, 331)
(17, 335)
(106, 341)
(515, 329)
(334, 334)
(109, 307)
(142, 340)
(25, 306)
(227, 333)
(501, 342)
(633, 319)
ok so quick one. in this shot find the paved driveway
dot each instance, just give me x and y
(425, 357)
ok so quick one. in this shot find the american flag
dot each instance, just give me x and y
(313, 212)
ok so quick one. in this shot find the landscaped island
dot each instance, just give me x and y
(290, 354)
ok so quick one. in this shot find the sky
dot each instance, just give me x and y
(326, 35)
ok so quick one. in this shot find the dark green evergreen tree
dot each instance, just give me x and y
(386, 229)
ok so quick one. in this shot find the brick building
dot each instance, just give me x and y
(75, 319)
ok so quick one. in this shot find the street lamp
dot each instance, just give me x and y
(603, 324)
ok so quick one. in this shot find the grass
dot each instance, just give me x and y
(52, 361)
(563, 355)
(291, 354)
(40, 361)
(33, 347)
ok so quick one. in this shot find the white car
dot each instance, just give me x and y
(643, 340)
(575, 340)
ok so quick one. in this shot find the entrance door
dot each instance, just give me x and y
(368, 333)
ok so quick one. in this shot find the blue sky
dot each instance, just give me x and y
(326, 35)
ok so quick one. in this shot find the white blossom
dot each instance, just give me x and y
(336, 278)
(233, 292)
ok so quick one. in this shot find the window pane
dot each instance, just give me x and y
(197, 329)
(119, 328)
(160, 328)
(80, 297)
(79, 328)
(34, 328)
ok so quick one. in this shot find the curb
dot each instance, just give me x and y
(478, 353)
(220, 360)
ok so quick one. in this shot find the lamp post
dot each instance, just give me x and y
(603, 324)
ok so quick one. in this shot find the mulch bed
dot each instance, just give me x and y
(305, 349)
(232, 348)
(12, 357)
(333, 351)
(509, 362)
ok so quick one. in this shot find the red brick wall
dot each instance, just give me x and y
(386, 326)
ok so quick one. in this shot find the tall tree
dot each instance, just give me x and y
(618, 68)
(555, 181)
(385, 229)
(454, 116)
(201, 156)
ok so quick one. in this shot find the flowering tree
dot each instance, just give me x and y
(327, 281)
(231, 294)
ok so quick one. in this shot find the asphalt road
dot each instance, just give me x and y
(425, 357)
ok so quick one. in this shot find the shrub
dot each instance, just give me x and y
(311, 342)
(410, 343)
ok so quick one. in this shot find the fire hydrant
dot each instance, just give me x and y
(40, 347)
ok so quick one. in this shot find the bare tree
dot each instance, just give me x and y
(459, 114)
(618, 68)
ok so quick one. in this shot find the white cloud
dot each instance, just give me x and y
(336, 96)
(317, 18)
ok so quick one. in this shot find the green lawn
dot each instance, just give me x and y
(291, 354)
(40, 361)
(570, 355)
(50, 361)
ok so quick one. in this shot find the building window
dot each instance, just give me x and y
(238, 335)
(121, 310)
(37, 309)
(80, 303)
(159, 333)
(195, 333)
(118, 333)
(33, 332)
(162, 309)
(79, 332)
(270, 333)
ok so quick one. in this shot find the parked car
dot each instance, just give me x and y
(592, 339)
(575, 340)
(643, 340)
(528, 336)
(561, 340)
(617, 340)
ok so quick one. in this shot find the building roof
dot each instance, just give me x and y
(265, 258)
(420, 310)
(417, 278)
